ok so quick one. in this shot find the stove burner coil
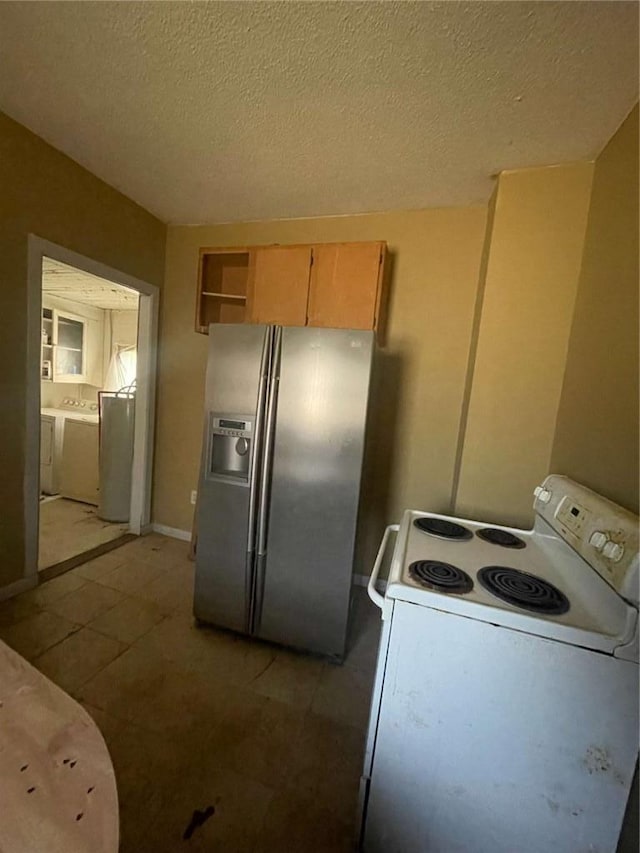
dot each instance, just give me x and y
(500, 537)
(443, 529)
(441, 577)
(523, 590)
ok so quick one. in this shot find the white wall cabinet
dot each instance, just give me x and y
(69, 347)
(72, 342)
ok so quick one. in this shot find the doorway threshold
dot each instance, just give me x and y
(60, 568)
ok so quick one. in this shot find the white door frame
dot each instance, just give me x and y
(140, 514)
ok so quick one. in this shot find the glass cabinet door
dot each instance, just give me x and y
(70, 347)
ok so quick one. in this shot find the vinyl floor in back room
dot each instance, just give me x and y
(70, 527)
(194, 717)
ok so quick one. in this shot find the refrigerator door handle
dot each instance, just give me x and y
(265, 478)
(254, 478)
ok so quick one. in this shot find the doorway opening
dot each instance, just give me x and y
(87, 399)
(92, 338)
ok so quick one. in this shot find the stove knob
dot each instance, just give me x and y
(598, 540)
(541, 494)
(613, 551)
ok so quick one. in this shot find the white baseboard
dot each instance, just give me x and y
(174, 532)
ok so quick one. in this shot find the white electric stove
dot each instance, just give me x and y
(505, 708)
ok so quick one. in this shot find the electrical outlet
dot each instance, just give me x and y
(194, 495)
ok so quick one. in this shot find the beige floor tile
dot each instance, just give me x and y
(162, 557)
(55, 589)
(68, 528)
(170, 591)
(327, 764)
(128, 620)
(291, 678)
(159, 550)
(85, 604)
(296, 823)
(180, 546)
(100, 566)
(16, 609)
(344, 694)
(77, 658)
(240, 805)
(148, 541)
(208, 651)
(194, 716)
(130, 576)
(110, 727)
(35, 635)
(258, 739)
(142, 761)
(154, 694)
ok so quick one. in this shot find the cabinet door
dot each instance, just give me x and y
(279, 285)
(70, 347)
(80, 473)
(345, 285)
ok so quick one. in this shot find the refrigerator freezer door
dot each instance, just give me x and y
(236, 383)
(304, 579)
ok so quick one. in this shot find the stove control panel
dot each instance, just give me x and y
(604, 534)
(572, 515)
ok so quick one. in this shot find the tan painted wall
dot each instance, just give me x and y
(596, 439)
(419, 376)
(45, 193)
(529, 294)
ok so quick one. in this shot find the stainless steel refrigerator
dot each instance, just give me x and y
(285, 414)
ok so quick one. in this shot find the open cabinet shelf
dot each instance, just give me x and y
(222, 287)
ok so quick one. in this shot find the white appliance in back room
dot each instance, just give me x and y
(69, 450)
(504, 717)
(117, 417)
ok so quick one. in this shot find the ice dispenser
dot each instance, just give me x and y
(230, 438)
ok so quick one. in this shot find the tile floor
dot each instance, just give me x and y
(194, 717)
(68, 528)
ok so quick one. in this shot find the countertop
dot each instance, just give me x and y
(72, 414)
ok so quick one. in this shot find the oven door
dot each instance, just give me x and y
(494, 740)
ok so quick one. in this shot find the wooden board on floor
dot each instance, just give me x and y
(56, 777)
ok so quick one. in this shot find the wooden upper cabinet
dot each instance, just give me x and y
(346, 285)
(279, 285)
(334, 285)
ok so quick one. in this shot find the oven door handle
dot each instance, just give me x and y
(374, 595)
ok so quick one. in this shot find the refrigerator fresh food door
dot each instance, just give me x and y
(236, 388)
(306, 529)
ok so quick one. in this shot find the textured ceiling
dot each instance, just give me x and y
(210, 112)
(58, 279)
